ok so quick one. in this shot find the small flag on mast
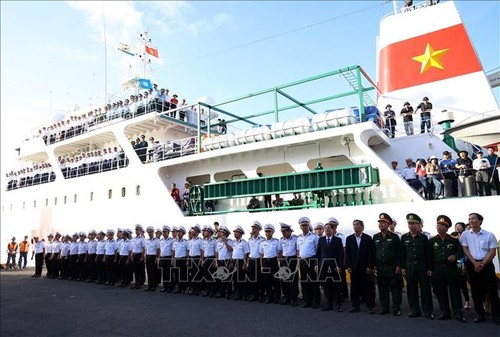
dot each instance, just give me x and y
(152, 51)
(144, 83)
(125, 48)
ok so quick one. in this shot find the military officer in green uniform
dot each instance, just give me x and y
(416, 257)
(446, 251)
(388, 266)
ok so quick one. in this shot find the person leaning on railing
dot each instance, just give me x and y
(434, 176)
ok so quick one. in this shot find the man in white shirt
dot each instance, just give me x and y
(481, 166)
(480, 248)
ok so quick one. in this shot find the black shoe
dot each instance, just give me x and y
(414, 314)
(355, 310)
(285, 302)
(307, 305)
(164, 290)
(34, 275)
(339, 308)
(461, 319)
(269, 300)
(429, 316)
(371, 311)
(444, 317)
(383, 312)
(479, 319)
(237, 298)
(396, 313)
(315, 306)
(294, 303)
(148, 289)
(328, 308)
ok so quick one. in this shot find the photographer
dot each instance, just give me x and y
(481, 166)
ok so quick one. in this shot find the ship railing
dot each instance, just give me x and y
(30, 180)
(318, 185)
(75, 171)
(173, 149)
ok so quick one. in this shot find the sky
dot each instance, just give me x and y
(59, 57)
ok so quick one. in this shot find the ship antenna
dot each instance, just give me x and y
(105, 55)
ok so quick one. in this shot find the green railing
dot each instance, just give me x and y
(324, 181)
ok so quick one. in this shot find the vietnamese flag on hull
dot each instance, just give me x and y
(441, 54)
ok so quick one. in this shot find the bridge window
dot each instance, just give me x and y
(229, 175)
(91, 196)
(271, 170)
(55, 201)
(124, 192)
(65, 199)
(74, 198)
(110, 193)
(138, 190)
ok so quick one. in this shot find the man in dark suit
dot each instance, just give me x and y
(360, 262)
(330, 255)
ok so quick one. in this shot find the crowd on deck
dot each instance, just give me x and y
(276, 271)
(154, 99)
(436, 178)
(37, 173)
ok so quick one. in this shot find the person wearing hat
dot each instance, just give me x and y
(181, 251)
(64, 257)
(125, 260)
(100, 253)
(343, 286)
(360, 264)
(410, 175)
(24, 247)
(38, 253)
(255, 284)
(270, 250)
(83, 249)
(166, 244)
(208, 247)
(194, 247)
(388, 266)
(435, 175)
(152, 258)
(407, 113)
(241, 250)
(482, 166)
(73, 258)
(448, 167)
(390, 120)
(92, 266)
(223, 255)
(417, 268)
(119, 242)
(425, 115)
(480, 249)
(446, 251)
(139, 257)
(319, 229)
(463, 165)
(290, 285)
(48, 254)
(307, 244)
(55, 260)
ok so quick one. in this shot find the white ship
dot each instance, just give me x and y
(236, 150)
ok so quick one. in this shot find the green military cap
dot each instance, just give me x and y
(412, 217)
(443, 220)
(385, 218)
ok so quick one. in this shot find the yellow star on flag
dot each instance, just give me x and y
(430, 58)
